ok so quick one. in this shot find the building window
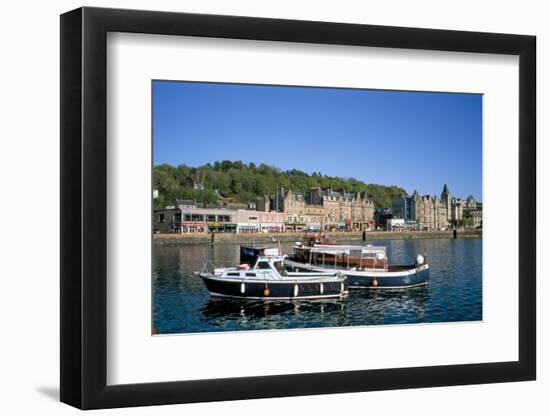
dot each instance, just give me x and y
(211, 218)
(187, 217)
(197, 217)
(161, 218)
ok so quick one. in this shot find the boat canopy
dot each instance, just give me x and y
(349, 249)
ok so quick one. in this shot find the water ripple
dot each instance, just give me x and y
(183, 305)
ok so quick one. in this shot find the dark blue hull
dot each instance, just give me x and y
(274, 290)
(403, 276)
(412, 278)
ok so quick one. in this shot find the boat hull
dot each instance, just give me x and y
(406, 277)
(258, 290)
(412, 278)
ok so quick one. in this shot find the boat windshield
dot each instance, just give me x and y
(279, 267)
(263, 265)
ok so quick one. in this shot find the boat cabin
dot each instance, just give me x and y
(271, 263)
(266, 267)
(363, 258)
(269, 268)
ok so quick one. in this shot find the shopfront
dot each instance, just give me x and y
(272, 227)
(194, 227)
(294, 226)
(248, 228)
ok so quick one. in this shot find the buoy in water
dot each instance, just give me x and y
(321, 288)
(243, 288)
(266, 292)
(374, 282)
(296, 290)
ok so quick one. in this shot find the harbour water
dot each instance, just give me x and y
(181, 303)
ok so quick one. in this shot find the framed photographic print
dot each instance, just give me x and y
(258, 207)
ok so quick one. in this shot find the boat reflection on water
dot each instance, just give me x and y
(220, 308)
(368, 306)
(182, 304)
(404, 305)
(278, 312)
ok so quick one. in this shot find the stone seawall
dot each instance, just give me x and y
(221, 238)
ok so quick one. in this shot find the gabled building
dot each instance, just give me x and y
(322, 209)
(344, 210)
(294, 207)
(432, 212)
(473, 211)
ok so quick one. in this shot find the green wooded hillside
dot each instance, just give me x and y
(237, 182)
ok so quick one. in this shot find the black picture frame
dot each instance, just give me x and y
(84, 207)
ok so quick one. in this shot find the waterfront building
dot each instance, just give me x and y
(402, 206)
(208, 219)
(429, 212)
(263, 203)
(473, 211)
(432, 212)
(315, 217)
(344, 210)
(411, 225)
(271, 221)
(381, 216)
(395, 224)
(447, 200)
(322, 209)
(456, 211)
(166, 220)
(247, 221)
(398, 225)
(292, 204)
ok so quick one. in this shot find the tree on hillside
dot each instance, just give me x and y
(235, 181)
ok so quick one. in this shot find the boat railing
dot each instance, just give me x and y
(207, 267)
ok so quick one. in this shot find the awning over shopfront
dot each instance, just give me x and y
(216, 226)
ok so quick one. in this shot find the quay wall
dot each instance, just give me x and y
(221, 238)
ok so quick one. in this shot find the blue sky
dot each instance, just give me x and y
(410, 139)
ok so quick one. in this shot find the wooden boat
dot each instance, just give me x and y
(268, 279)
(364, 266)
